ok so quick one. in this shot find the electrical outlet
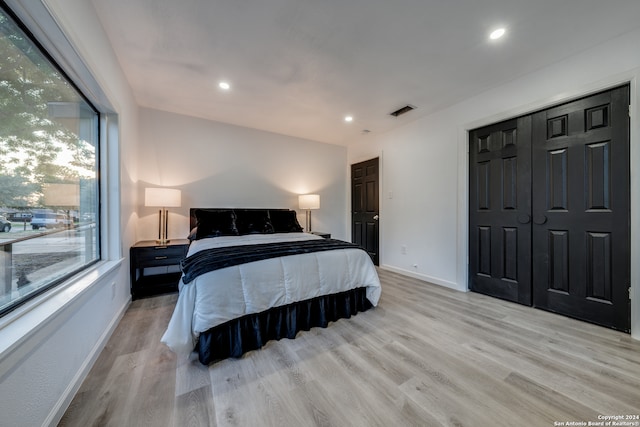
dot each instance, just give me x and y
(113, 290)
(403, 249)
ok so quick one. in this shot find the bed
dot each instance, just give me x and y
(252, 275)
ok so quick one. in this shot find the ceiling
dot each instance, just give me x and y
(298, 67)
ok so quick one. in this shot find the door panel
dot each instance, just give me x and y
(364, 207)
(500, 209)
(581, 209)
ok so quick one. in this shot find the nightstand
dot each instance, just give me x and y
(155, 268)
(322, 234)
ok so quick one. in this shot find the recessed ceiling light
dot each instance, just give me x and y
(496, 34)
(348, 119)
(224, 85)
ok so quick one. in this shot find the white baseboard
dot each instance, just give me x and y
(58, 410)
(424, 277)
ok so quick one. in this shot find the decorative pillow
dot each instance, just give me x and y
(253, 222)
(285, 222)
(192, 234)
(215, 223)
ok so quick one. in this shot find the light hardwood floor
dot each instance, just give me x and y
(426, 356)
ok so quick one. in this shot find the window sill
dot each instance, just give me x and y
(20, 324)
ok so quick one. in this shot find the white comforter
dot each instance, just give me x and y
(222, 295)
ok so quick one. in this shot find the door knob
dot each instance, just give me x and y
(539, 219)
(524, 218)
(376, 217)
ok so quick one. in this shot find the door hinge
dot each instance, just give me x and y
(630, 111)
(629, 292)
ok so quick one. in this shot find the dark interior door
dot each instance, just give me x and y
(581, 211)
(500, 209)
(364, 207)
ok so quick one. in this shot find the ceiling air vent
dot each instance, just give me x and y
(403, 110)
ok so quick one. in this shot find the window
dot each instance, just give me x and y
(49, 223)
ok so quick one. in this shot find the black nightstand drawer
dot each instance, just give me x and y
(160, 255)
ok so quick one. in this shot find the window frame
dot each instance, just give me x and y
(48, 37)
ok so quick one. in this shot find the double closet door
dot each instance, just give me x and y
(549, 209)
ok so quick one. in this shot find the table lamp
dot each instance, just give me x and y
(163, 198)
(308, 202)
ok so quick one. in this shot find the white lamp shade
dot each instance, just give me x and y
(65, 195)
(162, 197)
(309, 201)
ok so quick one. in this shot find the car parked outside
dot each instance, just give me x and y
(49, 220)
(5, 225)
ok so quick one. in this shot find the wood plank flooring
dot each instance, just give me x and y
(426, 356)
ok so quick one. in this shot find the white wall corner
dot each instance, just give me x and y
(424, 278)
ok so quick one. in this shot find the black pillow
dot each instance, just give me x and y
(285, 222)
(215, 223)
(253, 222)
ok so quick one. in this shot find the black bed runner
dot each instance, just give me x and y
(217, 258)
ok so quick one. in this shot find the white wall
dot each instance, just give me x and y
(424, 163)
(46, 349)
(220, 165)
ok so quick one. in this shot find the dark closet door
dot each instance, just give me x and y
(364, 207)
(581, 211)
(499, 210)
